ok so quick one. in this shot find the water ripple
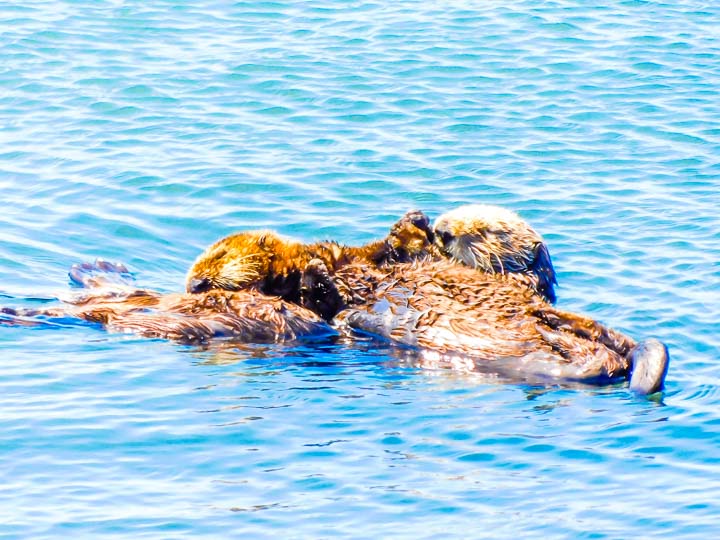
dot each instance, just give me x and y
(142, 132)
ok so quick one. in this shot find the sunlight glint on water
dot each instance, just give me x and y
(142, 132)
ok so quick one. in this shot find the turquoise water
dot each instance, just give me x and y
(142, 131)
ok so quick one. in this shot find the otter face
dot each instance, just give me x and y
(496, 240)
(233, 263)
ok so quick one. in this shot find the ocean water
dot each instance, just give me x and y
(141, 131)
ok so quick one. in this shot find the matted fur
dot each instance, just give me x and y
(245, 316)
(452, 310)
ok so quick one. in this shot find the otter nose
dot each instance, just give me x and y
(198, 285)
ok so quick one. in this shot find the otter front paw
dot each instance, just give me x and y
(318, 291)
(410, 238)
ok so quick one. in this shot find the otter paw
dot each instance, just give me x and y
(101, 273)
(317, 268)
(315, 278)
(418, 219)
(415, 222)
(318, 291)
(411, 237)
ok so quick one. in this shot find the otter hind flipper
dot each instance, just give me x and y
(100, 274)
(650, 360)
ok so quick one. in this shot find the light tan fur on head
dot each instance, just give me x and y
(490, 238)
(495, 240)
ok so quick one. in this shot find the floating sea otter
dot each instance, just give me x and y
(499, 311)
(459, 316)
(110, 298)
(265, 261)
(491, 239)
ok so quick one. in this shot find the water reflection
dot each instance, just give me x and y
(320, 360)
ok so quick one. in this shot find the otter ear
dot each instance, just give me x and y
(542, 267)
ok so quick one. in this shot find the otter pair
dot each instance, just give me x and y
(475, 290)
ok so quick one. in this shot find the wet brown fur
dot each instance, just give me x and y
(422, 300)
(452, 310)
(246, 316)
(242, 312)
(272, 264)
(265, 261)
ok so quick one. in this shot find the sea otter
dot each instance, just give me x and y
(452, 312)
(265, 261)
(489, 238)
(500, 308)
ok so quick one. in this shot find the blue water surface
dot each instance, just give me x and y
(142, 131)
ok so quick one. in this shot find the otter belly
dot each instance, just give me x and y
(520, 351)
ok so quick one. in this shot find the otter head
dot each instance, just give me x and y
(234, 262)
(496, 240)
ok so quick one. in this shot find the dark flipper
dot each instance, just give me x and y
(650, 361)
(542, 267)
